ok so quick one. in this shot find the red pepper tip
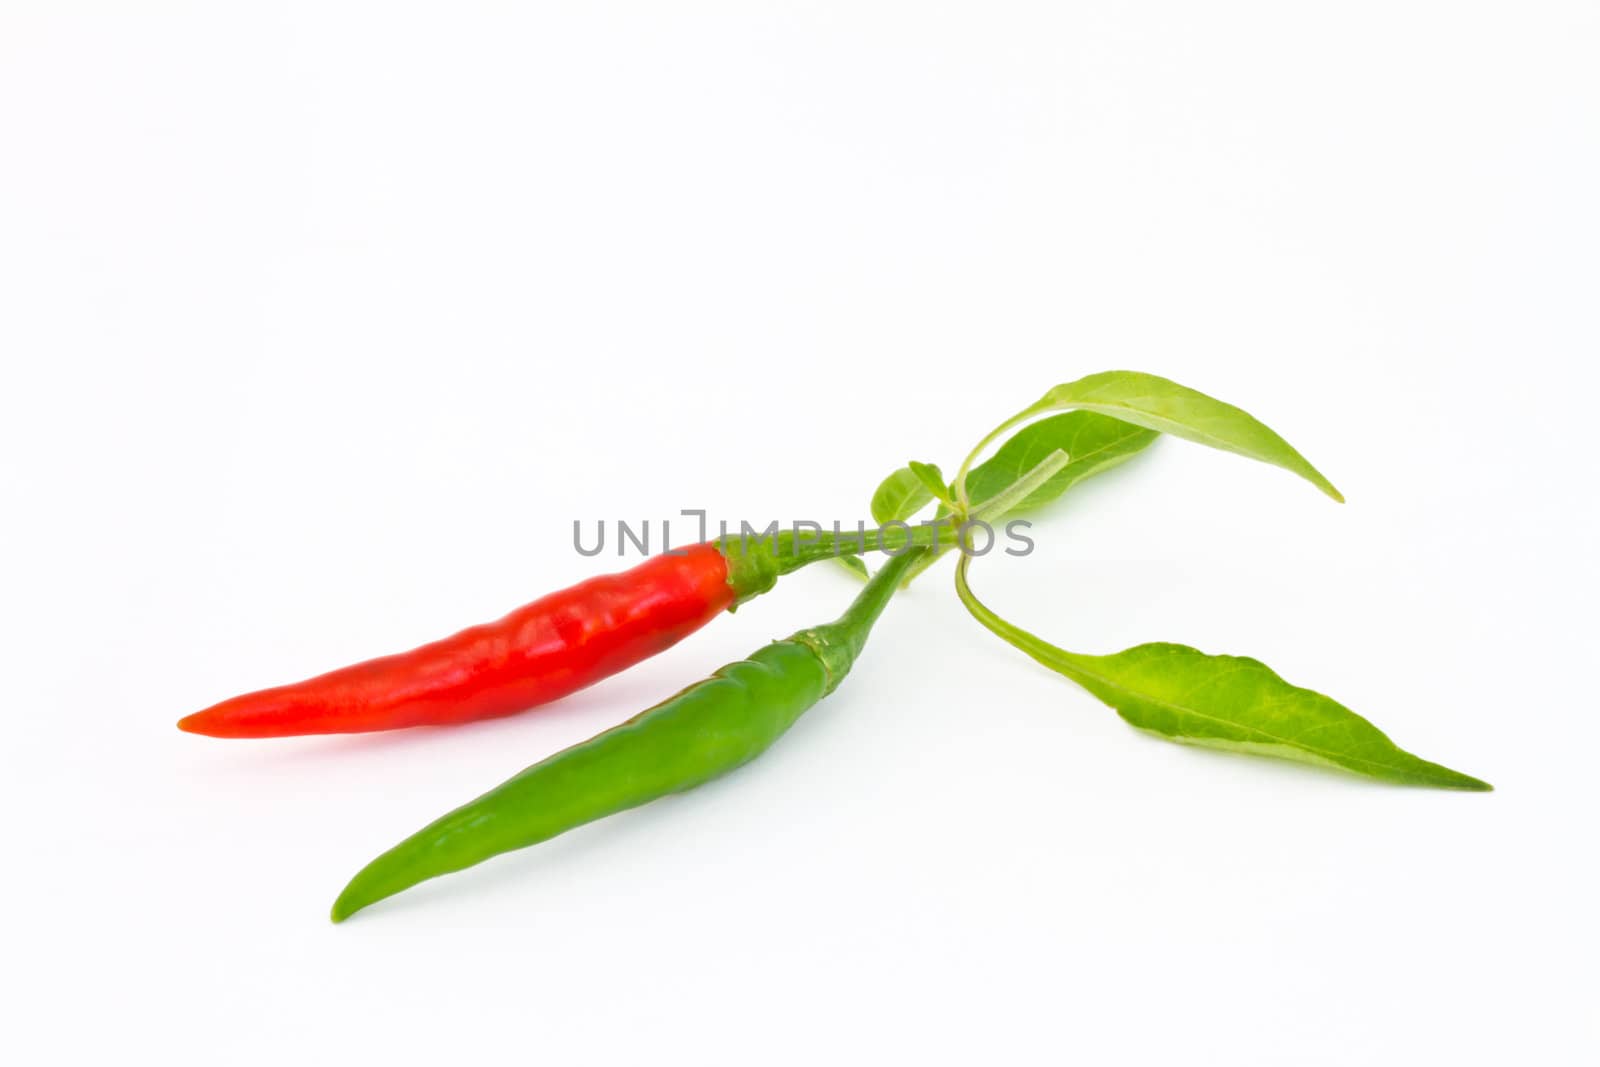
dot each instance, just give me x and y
(201, 722)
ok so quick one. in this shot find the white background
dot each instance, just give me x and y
(321, 322)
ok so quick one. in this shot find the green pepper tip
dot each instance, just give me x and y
(344, 907)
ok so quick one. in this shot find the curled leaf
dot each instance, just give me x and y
(931, 478)
(899, 496)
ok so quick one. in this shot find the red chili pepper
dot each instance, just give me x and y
(552, 647)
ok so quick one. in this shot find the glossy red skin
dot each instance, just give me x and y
(553, 646)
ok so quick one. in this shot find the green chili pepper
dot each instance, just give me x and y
(701, 733)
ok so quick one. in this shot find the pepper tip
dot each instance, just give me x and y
(345, 906)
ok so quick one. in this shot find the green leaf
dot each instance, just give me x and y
(1093, 442)
(1240, 704)
(932, 479)
(855, 565)
(1226, 702)
(1008, 498)
(899, 496)
(1162, 405)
